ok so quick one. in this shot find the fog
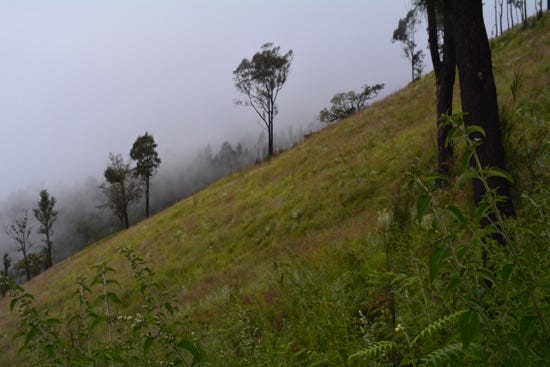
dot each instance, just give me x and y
(80, 79)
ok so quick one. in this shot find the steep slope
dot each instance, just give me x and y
(310, 210)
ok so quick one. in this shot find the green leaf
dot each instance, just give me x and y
(453, 282)
(422, 206)
(53, 321)
(527, 324)
(147, 344)
(30, 335)
(497, 172)
(190, 347)
(374, 351)
(113, 298)
(469, 174)
(465, 160)
(434, 178)
(469, 327)
(12, 303)
(506, 273)
(113, 281)
(18, 335)
(457, 214)
(482, 211)
(486, 274)
(437, 260)
(474, 129)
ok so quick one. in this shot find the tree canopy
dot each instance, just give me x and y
(147, 162)
(405, 33)
(121, 187)
(46, 216)
(348, 103)
(260, 80)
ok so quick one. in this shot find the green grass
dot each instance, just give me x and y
(272, 264)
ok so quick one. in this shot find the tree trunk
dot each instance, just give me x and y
(270, 140)
(445, 78)
(49, 248)
(496, 20)
(27, 267)
(507, 16)
(500, 15)
(478, 95)
(126, 221)
(147, 197)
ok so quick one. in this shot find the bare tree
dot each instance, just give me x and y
(260, 80)
(20, 232)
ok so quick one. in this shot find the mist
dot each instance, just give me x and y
(82, 79)
(82, 219)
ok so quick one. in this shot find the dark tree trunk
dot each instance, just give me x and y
(478, 94)
(126, 221)
(49, 248)
(27, 267)
(444, 80)
(147, 197)
(270, 140)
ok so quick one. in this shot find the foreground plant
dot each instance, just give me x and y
(99, 333)
(487, 276)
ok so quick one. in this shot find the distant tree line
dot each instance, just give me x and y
(32, 263)
(126, 182)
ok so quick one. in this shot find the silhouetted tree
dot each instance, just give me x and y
(442, 52)
(147, 162)
(34, 265)
(46, 216)
(346, 104)
(260, 80)
(6, 264)
(20, 232)
(226, 158)
(5, 272)
(121, 188)
(478, 94)
(405, 33)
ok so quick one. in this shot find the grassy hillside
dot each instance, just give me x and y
(272, 264)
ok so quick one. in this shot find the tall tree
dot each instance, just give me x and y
(20, 232)
(478, 94)
(46, 216)
(444, 64)
(260, 80)
(405, 33)
(121, 187)
(147, 162)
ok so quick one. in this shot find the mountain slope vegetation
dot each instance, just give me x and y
(285, 263)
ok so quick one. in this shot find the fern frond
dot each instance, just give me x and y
(443, 356)
(437, 326)
(374, 351)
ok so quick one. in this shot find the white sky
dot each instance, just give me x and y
(82, 78)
